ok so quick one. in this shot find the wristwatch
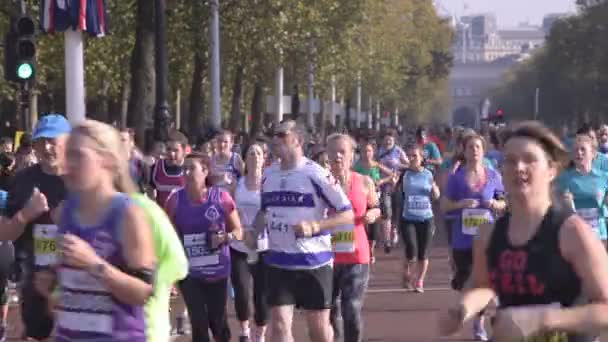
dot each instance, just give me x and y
(98, 270)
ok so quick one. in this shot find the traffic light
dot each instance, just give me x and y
(20, 50)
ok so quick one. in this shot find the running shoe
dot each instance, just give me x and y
(2, 332)
(406, 282)
(479, 331)
(180, 325)
(419, 286)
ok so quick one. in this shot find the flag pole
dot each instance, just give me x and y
(74, 76)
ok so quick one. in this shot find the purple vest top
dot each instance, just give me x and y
(195, 224)
(87, 311)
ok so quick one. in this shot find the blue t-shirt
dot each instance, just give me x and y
(600, 162)
(417, 189)
(466, 222)
(431, 151)
(589, 191)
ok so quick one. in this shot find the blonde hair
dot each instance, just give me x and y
(340, 136)
(107, 141)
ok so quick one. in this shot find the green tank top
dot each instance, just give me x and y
(373, 173)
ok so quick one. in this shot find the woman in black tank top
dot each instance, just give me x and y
(538, 258)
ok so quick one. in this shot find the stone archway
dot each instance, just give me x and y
(464, 116)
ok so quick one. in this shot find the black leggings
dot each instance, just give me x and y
(242, 276)
(7, 258)
(417, 237)
(463, 262)
(206, 304)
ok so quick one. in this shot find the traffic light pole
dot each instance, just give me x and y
(162, 117)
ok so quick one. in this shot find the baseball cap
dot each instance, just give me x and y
(51, 126)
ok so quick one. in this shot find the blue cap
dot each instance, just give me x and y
(51, 126)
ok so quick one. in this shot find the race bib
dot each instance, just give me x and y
(45, 249)
(419, 206)
(280, 232)
(591, 216)
(198, 252)
(343, 239)
(472, 219)
(85, 321)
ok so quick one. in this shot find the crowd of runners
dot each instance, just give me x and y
(98, 236)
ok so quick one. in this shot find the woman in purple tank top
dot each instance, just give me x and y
(106, 271)
(206, 221)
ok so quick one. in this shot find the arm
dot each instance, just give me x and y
(388, 172)
(233, 221)
(373, 212)
(475, 299)
(435, 193)
(585, 252)
(170, 206)
(139, 255)
(436, 158)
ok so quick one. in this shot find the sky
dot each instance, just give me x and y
(509, 13)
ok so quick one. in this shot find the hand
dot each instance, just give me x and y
(251, 239)
(519, 322)
(44, 282)
(306, 229)
(452, 320)
(218, 239)
(77, 252)
(468, 203)
(36, 205)
(568, 198)
(371, 216)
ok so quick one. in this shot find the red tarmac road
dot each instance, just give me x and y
(391, 314)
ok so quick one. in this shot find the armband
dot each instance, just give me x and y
(146, 275)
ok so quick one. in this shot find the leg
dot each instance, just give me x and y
(335, 316)
(192, 292)
(216, 295)
(313, 294)
(280, 323)
(319, 328)
(37, 320)
(260, 298)
(281, 299)
(241, 282)
(408, 235)
(424, 235)
(353, 293)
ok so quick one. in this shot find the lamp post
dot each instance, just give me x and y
(162, 117)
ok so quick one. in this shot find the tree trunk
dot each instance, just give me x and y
(141, 104)
(257, 120)
(236, 114)
(104, 102)
(197, 97)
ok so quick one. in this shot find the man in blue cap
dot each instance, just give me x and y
(34, 193)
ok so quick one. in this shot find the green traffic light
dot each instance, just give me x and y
(25, 71)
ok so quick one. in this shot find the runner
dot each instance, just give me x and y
(351, 247)
(206, 220)
(603, 139)
(393, 157)
(431, 153)
(34, 193)
(472, 194)
(537, 258)
(417, 227)
(167, 174)
(226, 166)
(107, 267)
(172, 266)
(585, 187)
(247, 264)
(137, 166)
(296, 194)
(367, 166)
